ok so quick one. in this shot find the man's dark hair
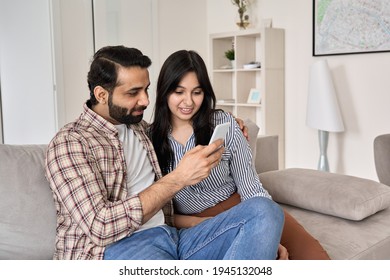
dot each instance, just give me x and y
(106, 62)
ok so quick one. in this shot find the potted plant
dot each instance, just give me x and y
(229, 54)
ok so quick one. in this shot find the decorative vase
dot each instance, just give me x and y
(243, 24)
(233, 63)
(242, 21)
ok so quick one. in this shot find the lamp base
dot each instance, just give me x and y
(323, 163)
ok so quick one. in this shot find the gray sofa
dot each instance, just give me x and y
(349, 216)
(324, 203)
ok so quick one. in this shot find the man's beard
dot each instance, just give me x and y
(120, 114)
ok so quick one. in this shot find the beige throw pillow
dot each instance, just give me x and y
(338, 195)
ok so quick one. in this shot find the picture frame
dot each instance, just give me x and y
(254, 96)
(343, 27)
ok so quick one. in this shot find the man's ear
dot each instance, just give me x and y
(101, 94)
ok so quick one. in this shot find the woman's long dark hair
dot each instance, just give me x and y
(173, 70)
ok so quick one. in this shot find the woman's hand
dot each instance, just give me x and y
(282, 253)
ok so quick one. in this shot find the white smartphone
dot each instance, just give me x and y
(220, 132)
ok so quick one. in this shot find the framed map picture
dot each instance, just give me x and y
(350, 26)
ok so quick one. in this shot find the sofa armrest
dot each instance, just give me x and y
(267, 153)
(27, 210)
(382, 158)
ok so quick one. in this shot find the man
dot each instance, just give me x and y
(111, 200)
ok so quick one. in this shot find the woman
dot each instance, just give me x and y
(184, 117)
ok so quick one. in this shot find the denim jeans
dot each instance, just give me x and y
(250, 230)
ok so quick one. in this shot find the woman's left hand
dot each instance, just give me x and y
(282, 253)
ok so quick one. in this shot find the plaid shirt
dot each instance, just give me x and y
(86, 169)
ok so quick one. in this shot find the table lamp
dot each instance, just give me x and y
(323, 112)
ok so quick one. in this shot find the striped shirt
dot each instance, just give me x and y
(235, 172)
(86, 169)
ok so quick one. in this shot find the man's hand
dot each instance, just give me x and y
(193, 167)
(243, 127)
(198, 162)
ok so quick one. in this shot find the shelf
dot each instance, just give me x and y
(249, 70)
(265, 46)
(223, 70)
(238, 104)
(237, 69)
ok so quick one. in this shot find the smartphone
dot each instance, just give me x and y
(220, 132)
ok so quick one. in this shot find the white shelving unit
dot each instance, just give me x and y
(232, 86)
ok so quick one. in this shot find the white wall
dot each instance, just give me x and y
(362, 84)
(182, 25)
(45, 47)
(27, 80)
(361, 80)
(73, 49)
(157, 27)
(130, 23)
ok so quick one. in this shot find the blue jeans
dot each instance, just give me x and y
(250, 230)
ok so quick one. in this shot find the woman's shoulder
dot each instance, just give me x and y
(220, 116)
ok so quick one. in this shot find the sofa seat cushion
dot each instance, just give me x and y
(27, 211)
(342, 196)
(343, 239)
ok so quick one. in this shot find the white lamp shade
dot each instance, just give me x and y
(323, 110)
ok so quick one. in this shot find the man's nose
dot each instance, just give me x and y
(144, 99)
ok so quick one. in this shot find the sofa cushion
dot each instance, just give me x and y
(368, 239)
(328, 193)
(27, 211)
